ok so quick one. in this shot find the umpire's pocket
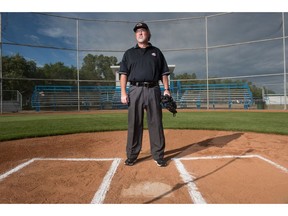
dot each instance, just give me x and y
(131, 93)
(157, 92)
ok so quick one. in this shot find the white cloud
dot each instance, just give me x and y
(52, 32)
(33, 38)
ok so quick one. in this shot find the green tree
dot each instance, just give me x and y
(97, 67)
(57, 71)
(256, 91)
(16, 68)
(187, 78)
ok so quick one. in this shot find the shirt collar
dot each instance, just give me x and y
(137, 46)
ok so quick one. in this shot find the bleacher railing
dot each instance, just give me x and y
(109, 97)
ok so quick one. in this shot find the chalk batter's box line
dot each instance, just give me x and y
(103, 188)
(193, 190)
(186, 176)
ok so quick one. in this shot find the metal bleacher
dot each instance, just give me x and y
(54, 98)
(220, 96)
(66, 97)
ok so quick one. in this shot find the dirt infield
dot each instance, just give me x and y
(203, 167)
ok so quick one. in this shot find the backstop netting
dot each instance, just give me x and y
(62, 61)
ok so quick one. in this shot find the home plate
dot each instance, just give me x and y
(147, 189)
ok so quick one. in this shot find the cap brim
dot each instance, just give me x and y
(139, 28)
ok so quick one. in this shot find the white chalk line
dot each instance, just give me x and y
(17, 168)
(189, 180)
(273, 163)
(104, 187)
(236, 156)
(195, 195)
(76, 159)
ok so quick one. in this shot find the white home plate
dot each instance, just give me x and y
(147, 189)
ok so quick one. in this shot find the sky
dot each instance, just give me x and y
(180, 36)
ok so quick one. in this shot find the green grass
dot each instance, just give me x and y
(37, 125)
(261, 122)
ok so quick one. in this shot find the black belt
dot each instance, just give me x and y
(145, 84)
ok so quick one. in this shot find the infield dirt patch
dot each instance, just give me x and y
(242, 180)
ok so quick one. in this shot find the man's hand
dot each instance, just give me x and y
(124, 98)
(167, 92)
(123, 83)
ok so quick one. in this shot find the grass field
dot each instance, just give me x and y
(39, 125)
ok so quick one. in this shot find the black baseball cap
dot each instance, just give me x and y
(140, 25)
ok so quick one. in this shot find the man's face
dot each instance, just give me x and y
(142, 35)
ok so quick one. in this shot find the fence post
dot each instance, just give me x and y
(207, 61)
(284, 62)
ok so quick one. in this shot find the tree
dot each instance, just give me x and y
(97, 67)
(185, 76)
(16, 68)
(189, 78)
(256, 91)
(57, 71)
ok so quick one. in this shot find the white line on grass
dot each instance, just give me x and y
(104, 187)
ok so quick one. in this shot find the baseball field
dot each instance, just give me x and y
(214, 157)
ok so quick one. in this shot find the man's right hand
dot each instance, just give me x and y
(123, 83)
(124, 99)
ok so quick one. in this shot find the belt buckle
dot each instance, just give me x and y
(146, 84)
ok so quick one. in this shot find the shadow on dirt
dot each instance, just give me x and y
(219, 142)
(180, 185)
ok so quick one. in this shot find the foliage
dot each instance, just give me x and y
(58, 71)
(18, 67)
(18, 70)
(97, 67)
(187, 78)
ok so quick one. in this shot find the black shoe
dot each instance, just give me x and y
(130, 162)
(161, 162)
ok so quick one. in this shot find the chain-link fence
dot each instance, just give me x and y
(68, 51)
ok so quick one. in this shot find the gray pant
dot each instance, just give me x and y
(149, 99)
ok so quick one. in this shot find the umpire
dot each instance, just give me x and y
(143, 66)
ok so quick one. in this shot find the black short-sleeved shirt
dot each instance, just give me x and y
(144, 64)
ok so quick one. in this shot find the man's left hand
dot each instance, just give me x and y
(167, 92)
